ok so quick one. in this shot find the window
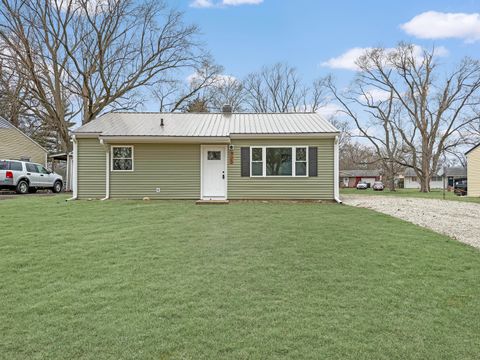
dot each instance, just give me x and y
(257, 161)
(279, 161)
(122, 158)
(16, 166)
(42, 170)
(301, 162)
(3, 165)
(32, 168)
(214, 155)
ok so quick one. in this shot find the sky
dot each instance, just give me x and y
(324, 37)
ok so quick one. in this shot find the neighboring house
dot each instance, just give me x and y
(212, 156)
(473, 171)
(350, 178)
(452, 173)
(15, 145)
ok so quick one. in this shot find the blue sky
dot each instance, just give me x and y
(307, 33)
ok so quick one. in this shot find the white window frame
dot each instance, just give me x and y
(264, 161)
(111, 157)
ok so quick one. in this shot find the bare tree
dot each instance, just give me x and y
(82, 58)
(228, 90)
(374, 115)
(31, 37)
(176, 95)
(434, 109)
(279, 88)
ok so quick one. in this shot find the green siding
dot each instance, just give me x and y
(91, 169)
(174, 168)
(15, 145)
(319, 187)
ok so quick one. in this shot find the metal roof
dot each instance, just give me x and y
(206, 124)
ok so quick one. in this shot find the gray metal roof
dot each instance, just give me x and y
(360, 173)
(206, 125)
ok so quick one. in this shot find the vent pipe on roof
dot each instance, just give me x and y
(161, 122)
(227, 109)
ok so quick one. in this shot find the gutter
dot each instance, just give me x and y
(336, 171)
(107, 170)
(75, 169)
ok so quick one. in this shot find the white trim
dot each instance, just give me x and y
(225, 184)
(283, 136)
(133, 157)
(107, 175)
(264, 162)
(75, 169)
(336, 171)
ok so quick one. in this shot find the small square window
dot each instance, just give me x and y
(214, 155)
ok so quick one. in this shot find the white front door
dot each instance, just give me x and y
(214, 174)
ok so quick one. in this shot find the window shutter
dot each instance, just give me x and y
(313, 161)
(245, 161)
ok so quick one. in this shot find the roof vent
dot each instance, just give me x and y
(161, 122)
(227, 109)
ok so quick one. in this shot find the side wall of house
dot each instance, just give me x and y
(91, 169)
(315, 187)
(174, 169)
(473, 172)
(15, 146)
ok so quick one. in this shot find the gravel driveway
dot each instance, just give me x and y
(459, 220)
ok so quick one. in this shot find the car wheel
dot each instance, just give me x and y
(22, 187)
(57, 187)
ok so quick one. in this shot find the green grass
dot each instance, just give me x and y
(434, 194)
(172, 280)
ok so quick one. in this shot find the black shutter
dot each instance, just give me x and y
(313, 161)
(245, 161)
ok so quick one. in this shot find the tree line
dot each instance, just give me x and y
(68, 61)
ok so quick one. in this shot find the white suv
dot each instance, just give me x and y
(25, 177)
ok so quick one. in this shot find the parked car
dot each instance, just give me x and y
(24, 177)
(378, 186)
(460, 187)
(362, 185)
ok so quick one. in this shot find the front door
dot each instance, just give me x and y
(214, 177)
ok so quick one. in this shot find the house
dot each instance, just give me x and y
(350, 178)
(451, 173)
(473, 171)
(15, 145)
(210, 156)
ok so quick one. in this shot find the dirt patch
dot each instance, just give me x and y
(459, 220)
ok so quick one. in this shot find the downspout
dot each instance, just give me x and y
(74, 169)
(107, 170)
(336, 171)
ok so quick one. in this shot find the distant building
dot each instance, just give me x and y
(15, 145)
(411, 180)
(473, 171)
(350, 178)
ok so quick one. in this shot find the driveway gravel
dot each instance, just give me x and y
(459, 220)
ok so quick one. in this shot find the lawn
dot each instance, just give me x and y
(434, 194)
(252, 280)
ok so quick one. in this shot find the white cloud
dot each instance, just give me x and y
(438, 25)
(241, 2)
(223, 3)
(376, 95)
(329, 110)
(347, 60)
(202, 4)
